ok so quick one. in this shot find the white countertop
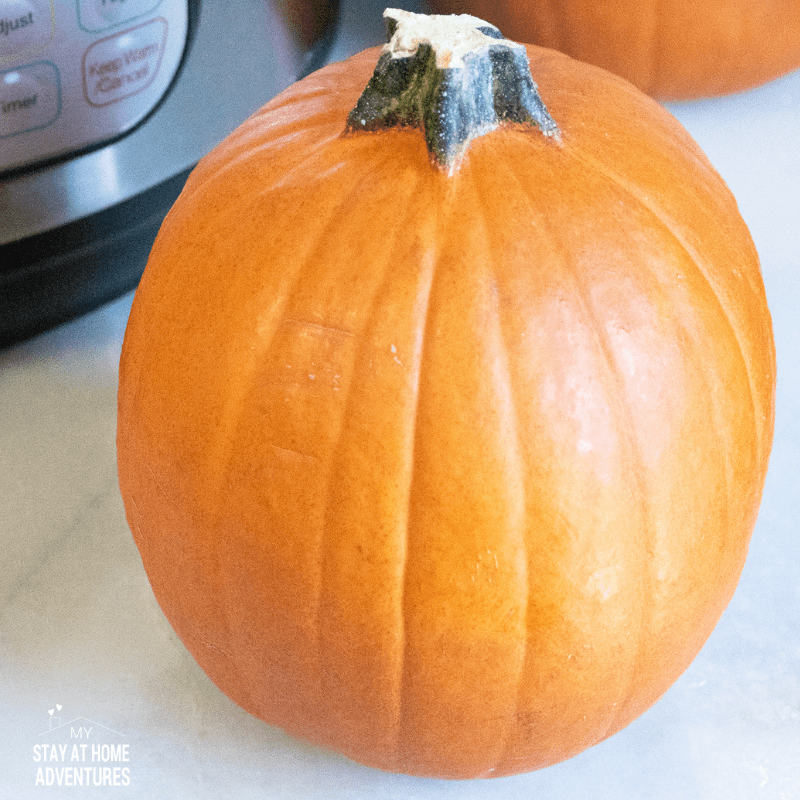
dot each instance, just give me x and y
(82, 636)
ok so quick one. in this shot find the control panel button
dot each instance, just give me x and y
(97, 15)
(124, 64)
(25, 26)
(30, 98)
(82, 88)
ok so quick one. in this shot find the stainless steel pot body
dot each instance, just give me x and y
(105, 106)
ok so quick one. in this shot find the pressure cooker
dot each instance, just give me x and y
(105, 107)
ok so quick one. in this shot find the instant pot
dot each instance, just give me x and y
(105, 107)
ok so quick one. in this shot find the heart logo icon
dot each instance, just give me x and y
(50, 712)
(58, 707)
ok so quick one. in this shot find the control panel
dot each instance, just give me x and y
(76, 73)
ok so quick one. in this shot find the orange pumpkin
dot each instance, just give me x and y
(449, 466)
(675, 50)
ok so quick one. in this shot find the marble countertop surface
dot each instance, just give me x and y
(86, 652)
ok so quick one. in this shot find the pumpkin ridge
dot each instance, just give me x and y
(422, 329)
(506, 376)
(307, 149)
(282, 134)
(619, 395)
(221, 453)
(513, 721)
(648, 526)
(731, 318)
(729, 315)
(249, 366)
(374, 320)
(491, 260)
(717, 426)
(662, 218)
(616, 393)
(447, 302)
(218, 453)
(319, 250)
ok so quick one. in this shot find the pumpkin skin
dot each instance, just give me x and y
(675, 50)
(453, 474)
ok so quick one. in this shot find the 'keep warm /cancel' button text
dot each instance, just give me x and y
(124, 64)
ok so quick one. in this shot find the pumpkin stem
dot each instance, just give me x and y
(455, 77)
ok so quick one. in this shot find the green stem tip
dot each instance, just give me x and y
(455, 77)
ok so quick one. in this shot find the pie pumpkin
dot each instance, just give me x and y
(444, 418)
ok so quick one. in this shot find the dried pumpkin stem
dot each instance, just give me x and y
(455, 77)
